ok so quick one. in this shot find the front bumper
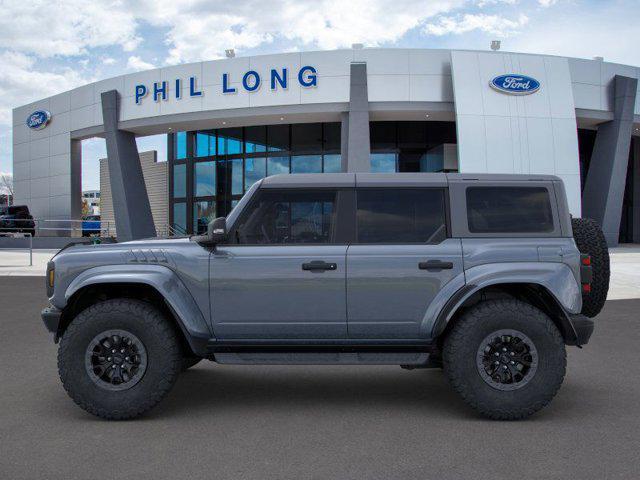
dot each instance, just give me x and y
(51, 317)
(583, 326)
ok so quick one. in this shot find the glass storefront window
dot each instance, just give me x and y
(278, 137)
(229, 141)
(332, 133)
(181, 145)
(180, 180)
(306, 137)
(236, 177)
(204, 179)
(277, 165)
(180, 217)
(254, 170)
(383, 162)
(332, 163)
(255, 140)
(306, 164)
(203, 213)
(205, 144)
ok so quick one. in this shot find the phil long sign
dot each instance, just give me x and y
(515, 84)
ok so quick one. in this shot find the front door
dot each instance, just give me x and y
(283, 274)
(401, 260)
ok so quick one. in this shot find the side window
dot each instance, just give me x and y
(509, 210)
(401, 215)
(288, 217)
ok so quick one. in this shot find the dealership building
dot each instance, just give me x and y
(231, 122)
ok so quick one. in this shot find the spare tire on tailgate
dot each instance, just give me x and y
(590, 240)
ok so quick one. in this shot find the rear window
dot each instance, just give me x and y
(401, 215)
(509, 210)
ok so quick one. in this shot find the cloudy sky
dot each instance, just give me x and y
(52, 46)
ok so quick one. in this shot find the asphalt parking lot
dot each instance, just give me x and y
(239, 422)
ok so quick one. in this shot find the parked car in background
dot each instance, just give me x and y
(17, 219)
(91, 225)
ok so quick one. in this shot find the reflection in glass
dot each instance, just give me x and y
(306, 164)
(205, 144)
(332, 163)
(236, 177)
(254, 170)
(277, 165)
(383, 162)
(204, 179)
(229, 141)
(181, 145)
(278, 137)
(180, 180)
(180, 217)
(203, 213)
(255, 140)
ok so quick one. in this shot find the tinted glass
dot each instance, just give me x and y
(205, 144)
(289, 217)
(229, 141)
(254, 170)
(181, 145)
(509, 210)
(306, 137)
(204, 179)
(180, 217)
(306, 164)
(332, 135)
(180, 180)
(203, 213)
(255, 139)
(401, 215)
(276, 165)
(278, 137)
(332, 164)
(236, 177)
(383, 162)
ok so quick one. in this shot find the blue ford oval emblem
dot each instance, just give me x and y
(38, 119)
(515, 84)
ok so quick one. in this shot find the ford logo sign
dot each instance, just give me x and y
(38, 119)
(515, 84)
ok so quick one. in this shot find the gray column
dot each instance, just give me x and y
(604, 187)
(128, 191)
(357, 143)
(635, 152)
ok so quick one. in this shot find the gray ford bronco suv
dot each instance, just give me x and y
(482, 275)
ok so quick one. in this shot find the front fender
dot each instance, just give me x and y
(556, 278)
(161, 278)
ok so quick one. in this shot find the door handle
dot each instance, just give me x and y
(319, 266)
(435, 265)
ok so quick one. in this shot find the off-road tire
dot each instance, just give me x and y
(590, 240)
(461, 348)
(148, 324)
(189, 361)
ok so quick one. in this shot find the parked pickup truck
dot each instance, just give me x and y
(485, 276)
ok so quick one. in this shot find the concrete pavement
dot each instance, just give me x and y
(301, 422)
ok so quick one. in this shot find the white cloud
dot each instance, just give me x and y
(46, 29)
(547, 3)
(136, 63)
(491, 24)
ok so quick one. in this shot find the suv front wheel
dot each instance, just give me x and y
(506, 359)
(119, 358)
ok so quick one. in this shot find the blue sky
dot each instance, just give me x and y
(50, 47)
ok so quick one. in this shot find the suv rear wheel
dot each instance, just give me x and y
(119, 358)
(505, 358)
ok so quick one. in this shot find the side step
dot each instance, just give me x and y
(321, 352)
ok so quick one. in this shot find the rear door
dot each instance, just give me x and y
(401, 259)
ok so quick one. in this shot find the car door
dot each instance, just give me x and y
(401, 259)
(283, 274)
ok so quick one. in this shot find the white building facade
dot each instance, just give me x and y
(470, 111)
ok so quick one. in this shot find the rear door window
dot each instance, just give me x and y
(386, 215)
(509, 210)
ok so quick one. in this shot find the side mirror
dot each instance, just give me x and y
(217, 230)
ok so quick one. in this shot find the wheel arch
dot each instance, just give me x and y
(533, 293)
(157, 285)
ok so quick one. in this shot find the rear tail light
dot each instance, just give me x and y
(586, 273)
(586, 288)
(586, 260)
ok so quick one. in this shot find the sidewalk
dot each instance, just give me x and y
(625, 268)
